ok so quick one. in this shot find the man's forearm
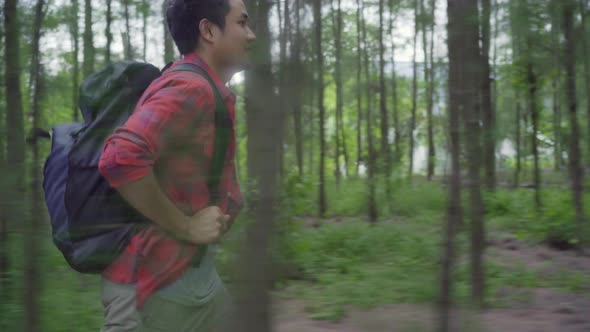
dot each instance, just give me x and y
(146, 197)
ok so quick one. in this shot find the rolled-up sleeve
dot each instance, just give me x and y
(131, 151)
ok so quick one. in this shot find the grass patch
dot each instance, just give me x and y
(355, 263)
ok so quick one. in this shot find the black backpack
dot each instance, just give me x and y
(91, 223)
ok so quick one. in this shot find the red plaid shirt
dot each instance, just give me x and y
(177, 109)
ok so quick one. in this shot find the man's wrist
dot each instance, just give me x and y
(183, 229)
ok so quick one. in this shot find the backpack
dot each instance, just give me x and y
(91, 222)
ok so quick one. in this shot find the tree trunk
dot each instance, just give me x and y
(385, 154)
(145, 11)
(317, 18)
(339, 87)
(428, 71)
(371, 159)
(2, 126)
(396, 126)
(15, 156)
(4, 250)
(464, 41)
(311, 121)
(168, 42)
(127, 33)
(515, 40)
(298, 95)
(285, 103)
(108, 33)
(584, 38)
(576, 172)
(339, 135)
(518, 145)
(557, 154)
(414, 91)
(524, 151)
(556, 85)
(532, 96)
(458, 98)
(75, 32)
(14, 116)
(471, 121)
(337, 80)
(255, 264)
(489, 148)
(432, 147)
(359, 98)
(88, 40)
(33, 226)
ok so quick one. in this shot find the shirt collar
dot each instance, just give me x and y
(226, 93)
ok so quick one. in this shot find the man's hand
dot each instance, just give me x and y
(207, 226)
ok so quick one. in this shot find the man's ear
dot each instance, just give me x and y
(206, 30)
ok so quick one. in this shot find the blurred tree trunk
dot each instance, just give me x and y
(255, 266)
(488, 112)
(471, 122)
(584, 38)
(396, 126)
(285, 75)
(88, 40)
(525, 131)
(15, 156)
(341, 128)
(127, 34)
(371, 153)
(432, 148)
(556, 84)
(576, 171)
(464, 41)
(108, 33)
(75, 32)
(298, 93)
(32, 238)
(145, 12)
(458, 98)
(414, 90)
(168, 42)
(532, 94)
(3, 189)
(317, 18)
(518, 144)
(338, 82)
(516, 53)
(359, 98)
(284, 100)
(311, 121)
(385, 150)
(429, 80)
(2, 125)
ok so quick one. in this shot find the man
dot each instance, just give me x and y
(155, 284)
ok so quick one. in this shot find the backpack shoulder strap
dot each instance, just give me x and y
(222, 132)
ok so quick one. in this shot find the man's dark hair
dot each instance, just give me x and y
(183, 17)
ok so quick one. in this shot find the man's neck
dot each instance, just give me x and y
(224, 74)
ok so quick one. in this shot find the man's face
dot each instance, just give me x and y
(232, 46)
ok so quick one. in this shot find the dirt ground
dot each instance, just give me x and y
(527, 310)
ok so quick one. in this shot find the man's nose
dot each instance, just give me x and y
(251, 35)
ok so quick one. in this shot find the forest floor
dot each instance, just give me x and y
(522, 309)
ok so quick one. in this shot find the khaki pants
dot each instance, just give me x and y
(161, 314)
(197, 302)
(118, 300)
